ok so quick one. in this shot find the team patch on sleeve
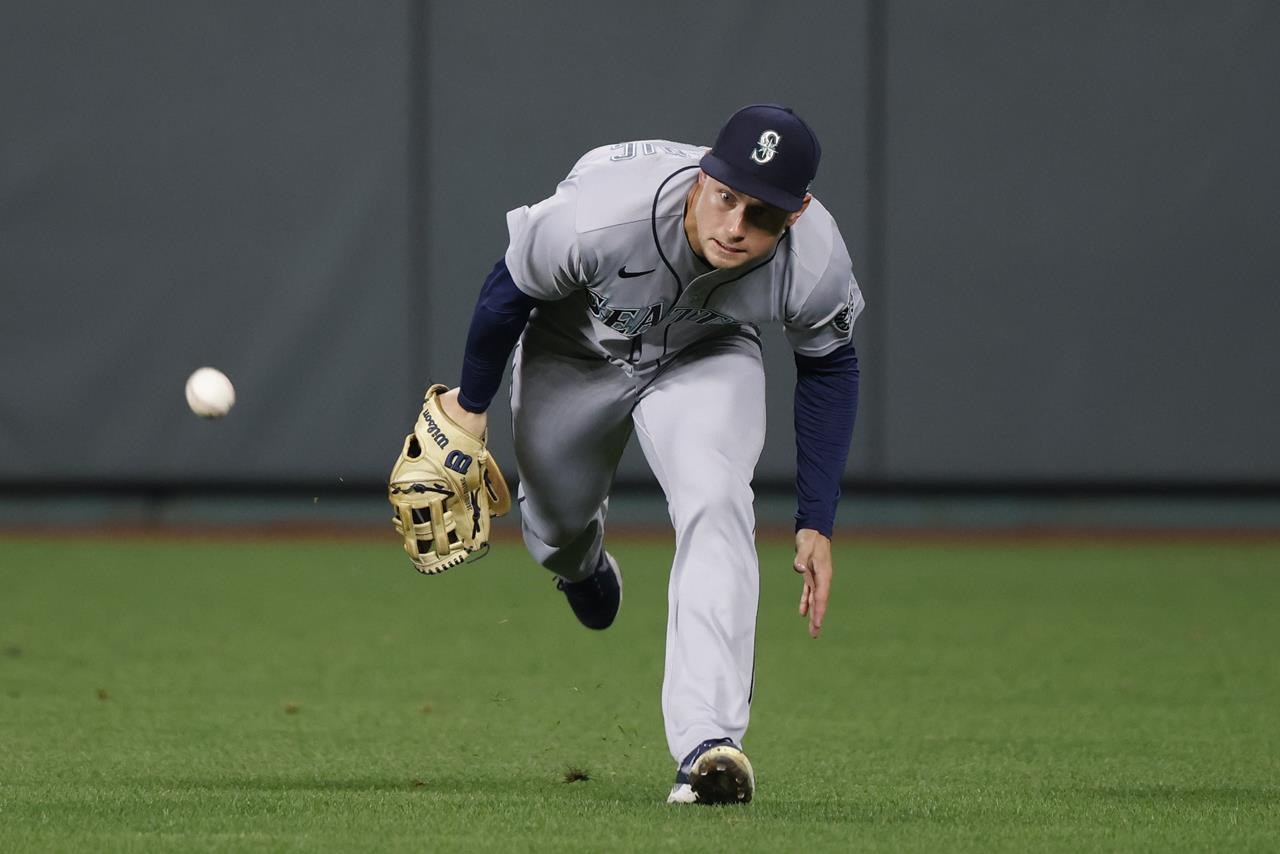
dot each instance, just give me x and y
(843, 319)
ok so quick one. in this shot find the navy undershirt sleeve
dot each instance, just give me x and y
(502, 312)
(826, 404)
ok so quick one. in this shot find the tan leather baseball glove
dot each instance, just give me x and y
(444, 489)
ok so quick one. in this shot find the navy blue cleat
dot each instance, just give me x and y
(596, 599)
(714, 772)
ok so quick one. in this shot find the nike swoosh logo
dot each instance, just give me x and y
(626, 274)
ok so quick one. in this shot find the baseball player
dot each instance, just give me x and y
(632, 298)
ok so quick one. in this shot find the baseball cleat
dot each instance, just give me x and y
(596, 599)
(714, 772)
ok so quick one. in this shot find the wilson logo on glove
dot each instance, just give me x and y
(433, 429)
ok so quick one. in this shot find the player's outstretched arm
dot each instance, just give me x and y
(813, 561)
(826, 404)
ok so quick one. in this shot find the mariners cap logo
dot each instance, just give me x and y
(766, 147)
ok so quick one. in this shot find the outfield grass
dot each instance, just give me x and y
(302, 696)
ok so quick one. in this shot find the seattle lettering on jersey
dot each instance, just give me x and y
(627, 321)
(701, 316)
(637, 321)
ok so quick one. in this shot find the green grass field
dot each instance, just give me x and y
(214, 695)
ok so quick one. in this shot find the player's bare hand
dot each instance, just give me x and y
(813, 561)
(474, 423)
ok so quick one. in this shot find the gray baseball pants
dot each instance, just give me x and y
(700, 420)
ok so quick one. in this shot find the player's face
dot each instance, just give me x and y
(731, 229)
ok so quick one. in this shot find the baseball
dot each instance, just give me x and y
(209, 393)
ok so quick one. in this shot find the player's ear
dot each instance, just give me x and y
(795, 215)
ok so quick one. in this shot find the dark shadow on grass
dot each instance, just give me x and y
(492, 787)
(287, 784)
(305, 784)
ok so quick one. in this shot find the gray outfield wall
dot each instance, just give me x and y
(1064, 217)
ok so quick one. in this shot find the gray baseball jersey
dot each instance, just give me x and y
(609, 246)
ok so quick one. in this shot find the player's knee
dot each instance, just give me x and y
(559, 532)
(718, 501)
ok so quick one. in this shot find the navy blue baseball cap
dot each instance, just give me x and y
(766, 151)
